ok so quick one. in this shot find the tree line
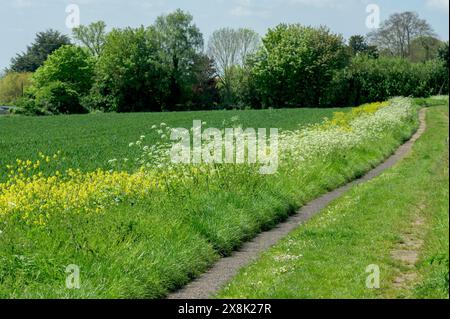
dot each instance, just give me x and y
(168, 67)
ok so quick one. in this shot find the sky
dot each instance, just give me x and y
(22, 19)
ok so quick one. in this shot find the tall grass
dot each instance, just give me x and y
(142, 246)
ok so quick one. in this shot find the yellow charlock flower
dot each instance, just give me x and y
(35, 198)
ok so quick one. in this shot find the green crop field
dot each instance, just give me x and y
(89, 141)
(144, 232)
(140, 159)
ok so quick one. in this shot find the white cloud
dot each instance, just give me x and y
(23, 3)
(258, 8)
(264, 8)
(317, 3)
(242, 11)
(439, 4)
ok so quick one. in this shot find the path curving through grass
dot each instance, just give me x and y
(208, 284)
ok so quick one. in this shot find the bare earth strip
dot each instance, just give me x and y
(407, 253)
(226, 268)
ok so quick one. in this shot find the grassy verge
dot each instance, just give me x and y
(328, 257)
(144, 247)
(434, 263)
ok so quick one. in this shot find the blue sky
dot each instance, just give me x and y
(21, 19)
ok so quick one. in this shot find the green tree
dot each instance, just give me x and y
(181, 42)
(230, 49)
(205, 94)
(45, 44)
(131, 73)
(91, 36)
(69, 64)
(296, 65)
(12, 86)
(443, 53)
(424, 48)
(443, 58)
(396, 34)
(358, 44)
(60, 83)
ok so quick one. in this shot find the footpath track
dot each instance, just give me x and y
(226, 268)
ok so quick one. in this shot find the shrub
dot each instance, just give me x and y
(59, 98)
(55, 98)
(368, 80)
(27, 106)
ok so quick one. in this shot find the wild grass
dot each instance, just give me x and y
(145, 246)
(328, 257)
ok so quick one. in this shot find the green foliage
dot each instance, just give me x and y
(358, 44)
(181, 42)
(44, 44)
(240, 90)
(296, 65)
(91, 36)
(230, 49)
(424, 49)
(58, 85)
(54, 98)
(443, 54)
(367, 80)
(163, 67)
(154, 69)
(69, 64)
(12, 87)
(131, 74)
(59, 98)
(205, 95)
